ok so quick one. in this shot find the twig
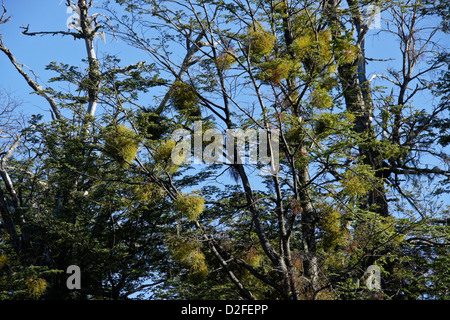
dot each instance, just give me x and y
(31, 82)
(53, 33)
(2, 18)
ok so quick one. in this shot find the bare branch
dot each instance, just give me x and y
(2, 18)
(8, 153)
(53, 33)
(36, 87)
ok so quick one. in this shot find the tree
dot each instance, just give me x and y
(67, 198)
(353, 152)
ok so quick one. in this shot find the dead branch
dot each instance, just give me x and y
(2, 18)
(36, 87)
(53, 33)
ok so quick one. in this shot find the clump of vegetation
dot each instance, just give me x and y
(275, 70)
(358, 181)
(36, 287)
(326, 123)
(163, 152)
(163, 158)
(314, 49)
(152, 124)
(149, 192)
(121, 143)
(190, 206)
(184, 99)
(253, 257)
(226, 59)
(330, 224)
(190, 255)
(3, 260)
(260, 42)
(320, 98)
(345, 52)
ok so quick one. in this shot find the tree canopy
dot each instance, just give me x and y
(359, 179)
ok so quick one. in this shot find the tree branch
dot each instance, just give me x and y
(427, 242)
(37, 88)
(53, 33)
(2, 18)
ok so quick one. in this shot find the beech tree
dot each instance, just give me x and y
(362, 162)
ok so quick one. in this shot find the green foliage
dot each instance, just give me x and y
(345, 51)
(190, 206)
(184, 99)
(122, 144)
(162, 156)
(151, 124)
(226, 59)
(274, 71)
(149, 192)
(36, 287)
(327, 123)
(254, 257)
(190, 255)
(84, 195)
(259, 42)
(331, 225)
(358, 180)
(377, 234)
(3, 260)
(163, 151)
(18, 281)
(314, 50)
(321, 99)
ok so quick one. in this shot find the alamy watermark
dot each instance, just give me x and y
(230, 147)
(373, 281)
(374, 20)
(73, 22)
(371, 278)
(74, 280)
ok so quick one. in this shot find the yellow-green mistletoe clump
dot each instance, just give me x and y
(190, 206)
(320, 98)
(345, 51)
(121, 144)
(226, 59)
(166, 157)
(275, 70)
(198, 269)
(184, 99)
(191, 256)
(148, 192)
(330, 224)
(36, 287)
(260, 42)
(358, 181)
(326, 123)
(163, 151)
(314, 49)
(3, 261)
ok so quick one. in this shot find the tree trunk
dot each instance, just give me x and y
(88, 33)
(358, 100)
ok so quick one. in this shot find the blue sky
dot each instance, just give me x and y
(51, 15)
(38, 51)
